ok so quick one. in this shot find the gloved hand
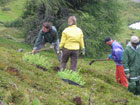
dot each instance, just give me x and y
(59, 52)
(108, 58)
(51, 46)
(34, 51)
(128, 76)
(83, 51)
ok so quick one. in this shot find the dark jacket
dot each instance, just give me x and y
(131, 61)
(50, 36)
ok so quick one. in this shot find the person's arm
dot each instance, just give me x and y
(82, 41)
(125, 61)
(54, 34)
(39, 39)
(63, 40)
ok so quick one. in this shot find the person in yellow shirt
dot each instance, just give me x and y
(71, 41)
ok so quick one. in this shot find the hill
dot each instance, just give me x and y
(22, 83)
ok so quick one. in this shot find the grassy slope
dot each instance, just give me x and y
(129, 14)
(21, 82)
(20, 87)
(16, 7)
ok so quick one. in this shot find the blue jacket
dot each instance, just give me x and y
(117, 53)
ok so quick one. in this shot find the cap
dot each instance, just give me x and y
(134, 39)
(107, 39)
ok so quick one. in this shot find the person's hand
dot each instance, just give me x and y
(108, 58)
(83, 51)
(34, 51)
(51, 46)
(59, 52)
(128, 76)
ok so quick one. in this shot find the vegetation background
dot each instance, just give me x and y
(22, 83)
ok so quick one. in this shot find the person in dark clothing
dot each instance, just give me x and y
(49, 34)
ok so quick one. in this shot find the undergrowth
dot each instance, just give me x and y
(71, 75)
(37, 59)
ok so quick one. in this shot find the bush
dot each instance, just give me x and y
(3, 2)
(36, 102)
(37, 59)
(6, 9)
(17, 23)
(71, 75)
(97, 19)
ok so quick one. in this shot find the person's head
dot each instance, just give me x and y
(108, 41)
(46, 26)
(134, 41)
(72, 20)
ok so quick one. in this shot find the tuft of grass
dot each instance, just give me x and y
(15, 10)
(36, 102)
(37, 59)
(71, 75)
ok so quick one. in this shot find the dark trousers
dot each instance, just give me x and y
(73, 54)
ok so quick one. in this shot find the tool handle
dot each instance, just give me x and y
(43, 49)
(94, 60)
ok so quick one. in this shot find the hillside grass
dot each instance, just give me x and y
(129, 15)
(21, 82)
(15, 10)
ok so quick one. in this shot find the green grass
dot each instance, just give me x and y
(22, 83)
(129, 15)
(16, 7)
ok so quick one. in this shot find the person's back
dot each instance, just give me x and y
(73, 37)
(71, 41)
(117, 52)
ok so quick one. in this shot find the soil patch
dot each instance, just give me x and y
(44, 69)
(15, 72)
(56, 68)
(77, 100)
(123, 101)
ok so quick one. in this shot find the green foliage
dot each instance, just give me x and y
(71, 75)
(37, 59)
(97, 19)
(22, 85)
(30, 82)
(3, 2)
(15, 10)
(16, 23)
(30, 8)
(36, 102)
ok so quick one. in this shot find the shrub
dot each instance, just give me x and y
(36, 102)
(16, 23)
(6, 9)
(71, 75)
(37, 59)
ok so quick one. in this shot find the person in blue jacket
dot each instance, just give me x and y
(116, 55)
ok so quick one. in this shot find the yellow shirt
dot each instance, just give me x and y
(72, 38)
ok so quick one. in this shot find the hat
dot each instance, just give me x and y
(107, 39)
(134, 39)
